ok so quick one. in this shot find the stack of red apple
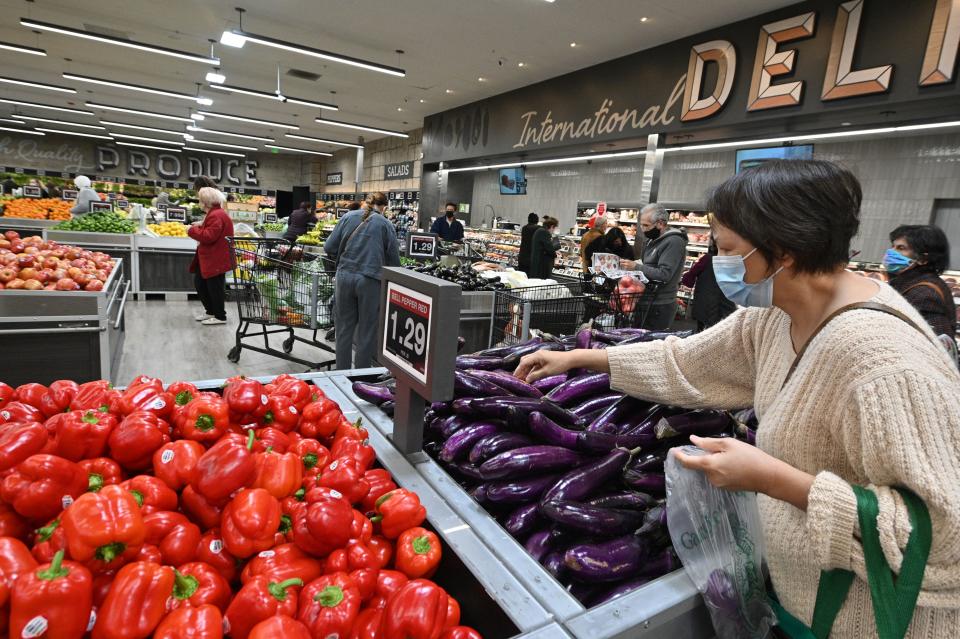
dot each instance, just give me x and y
(33, 264)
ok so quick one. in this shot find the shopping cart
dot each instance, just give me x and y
(557, 309)
(607, 307)
(279, 288)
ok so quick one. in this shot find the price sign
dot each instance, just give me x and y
(112, 196)
(422, 245)
(162, 208)
(69, 195)
(101, 207)
(269, 217)
(176, 214)
(601, 208)
(342, 212)
(32, 191)
(407, 330)
(123, 204)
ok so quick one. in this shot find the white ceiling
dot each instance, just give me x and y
(448, 45)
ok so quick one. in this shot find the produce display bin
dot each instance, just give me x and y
(25, 227)
(163, 264)
(666, 607)
(118, 245)
(52, 335)
(476, 311)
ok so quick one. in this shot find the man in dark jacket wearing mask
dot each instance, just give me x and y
(526, 243)
(664, 252)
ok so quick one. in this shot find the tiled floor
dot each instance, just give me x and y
(163, 340)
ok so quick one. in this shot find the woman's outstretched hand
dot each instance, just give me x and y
(544, 364)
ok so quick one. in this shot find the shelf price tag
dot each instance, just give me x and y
(32, 191)
(422, 246)
(176, 214)
(101, 207)
(69, 195)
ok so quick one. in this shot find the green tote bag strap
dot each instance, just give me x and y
(893, 603)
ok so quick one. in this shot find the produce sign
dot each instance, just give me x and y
(32, 191)
(422, 245)
(572, 469)
(32, 264)
(37, 209)
(101, 207)
(70, 195)
(408, 329)
(108, 222)
(256, 513)
(175, 214)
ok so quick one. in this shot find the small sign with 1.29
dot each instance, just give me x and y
(407, 330)
(422, 245)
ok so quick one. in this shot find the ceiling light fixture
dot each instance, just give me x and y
(231, 39)
(278, 97)
(13, 120)
(228, 134)
(290, 148)
(573, 44)
(37, 85)
(137, 87)
(322, 140)
(197, 117)
(449, 91)
(27, 131)
(61, 122)
(422, 100)
(212, 152)
(37, 105)
(19, 48)
(358, 127)
(226, 146)
(170, 149)
(141, 128)
(214, 77)
(481, 79)
(126, 136)
(83, 135)
(521, 64)
(150, 48)
(644, 19)
(148, 114)
(240, 118)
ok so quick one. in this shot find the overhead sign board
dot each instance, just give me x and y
(398, 171)
(335, 178)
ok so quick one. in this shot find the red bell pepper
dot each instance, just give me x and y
(271, 438)
(31, 394)
(151, 494)
(52, 601)
(367, 625)
(260, 599)
(83, 434)
(20, 412)
(312, 453)
(146, 379)
(19, 440)
(211, 550)
(175, 536)
(101, 587)
(202, 622)
(280, 474)
(48, 540)
(323, 526)
(175, 462)
(246, 398)
(296, 389)
(352, 430)
(460, 632)
(388, 583)
(355, 449)
(329, 605)
(182, 392)
(336, 562)
(281, 414)
(148, 552)
(320, 419)
(249, 522)
(282, 562)
(103, 525)
(366, 582)
(58, 397)
(42, 486)
(7, 394)
(362, 528)
(204, 419)
(360, 556)
(345, 476)
(136, 603)
(92, 396)
(198, 583)
(383, 548)
(417, 611)
(381, 483)
(15, 560)
(12, 524)
(199, 510)
(101, 471)
(279, 626)
(133, 442)
(418, 553)
(150, 398)
(225, 468)
(453, 613)
(397, 511)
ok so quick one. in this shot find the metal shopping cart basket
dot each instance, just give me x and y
(608, 307)
(279, 288)
(557, 309)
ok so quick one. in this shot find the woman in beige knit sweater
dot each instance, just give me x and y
(873, 401)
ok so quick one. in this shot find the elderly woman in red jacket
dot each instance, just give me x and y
(214, 257)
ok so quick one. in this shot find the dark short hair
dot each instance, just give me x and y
(353, 206)
(549, 222)
(305, 205)
(450, 204)
(927, 241)
(807, 209)
(202, 181)
(533, 218)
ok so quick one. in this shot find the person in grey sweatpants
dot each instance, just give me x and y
(362, 243)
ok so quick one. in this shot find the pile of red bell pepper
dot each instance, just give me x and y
(170, 512)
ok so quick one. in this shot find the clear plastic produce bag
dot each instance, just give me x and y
(718, 536)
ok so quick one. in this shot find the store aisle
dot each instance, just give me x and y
(163, 340)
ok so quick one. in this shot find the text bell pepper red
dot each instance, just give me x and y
(397, 511)
(103, 525)
(11, 523)
(295, 389)
(136, 603)
(20, 412)
(388, 583)
(246, 399)
(312, 453)
(42, 486)
(273, 439)
(329, 605)
(367, 625)
(281, 413)
(31, 394)
(201, 622)
(52, 601)
(58, 397)
(175, 462)
(418, 610)
(211, 551)
(135, 439)
(149, 397)
(355, 449)
(48, 540)
(418, 553)
(92, 396)
(7, 394)
(19, 440)
(320, 419)
(259, 599)
(199, 510)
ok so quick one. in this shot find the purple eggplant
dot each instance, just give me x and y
(441, 408)
(648, 482)
(664, 562)
(510, 361)
(493, 445)
(522, 520)
(449, 425)
(607, 561)
(516, 410)
(704, 423)
(529, 460)
(553, 563)
(466, 469)
(508, 382)
(521, 491)
(584, 592)
(650, 462)
(750, 436)
(609, 338)
(629, 499)
(372, 393)
(503, 351)
(595, 520)
(619, 590)
(551, 432)
(582, 482)
(466, 385)
(655, 519)
(538, 544)
(579, 388)
(460, 443)
(596, 404)
(602, 442)
(546, 384)
(387, 408)
(584, 335)
(485, 363)
(479, 493)
(608, 420)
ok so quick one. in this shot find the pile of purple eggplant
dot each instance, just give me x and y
(570, 468)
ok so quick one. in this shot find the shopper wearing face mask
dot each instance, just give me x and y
(664, 252)
(857, 402)
(448, 227)
(918, 256)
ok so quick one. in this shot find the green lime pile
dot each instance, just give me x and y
(99, 223)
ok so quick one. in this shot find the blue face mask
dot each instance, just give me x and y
(895, 261)
(729, 271)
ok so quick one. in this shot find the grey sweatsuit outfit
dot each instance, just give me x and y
(358, 282)
(663, 262)
(85, 196)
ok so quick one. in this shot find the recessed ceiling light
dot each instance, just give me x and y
(644, 19)
(240, 118)
(321, 140)
(521, 64)
(845, 124)
(62, 122)
(27, 131)
(45, 106)
(422, 100)
(212, 152)
(399, 108)
(481, 79)
(149, 114)
(449, 91)
(37, 85)
(140, 128)
(83, 135)
(290, 148)
(215, 77)
(228, 134)
(45, 26)
(22, 49)
(137, 87)
(143, 139)
(573, 44)
(171, 149)
(226, 146)
(347, 125)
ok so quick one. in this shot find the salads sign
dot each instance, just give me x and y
(806, 62)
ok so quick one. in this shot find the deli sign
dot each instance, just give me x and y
(803, 61)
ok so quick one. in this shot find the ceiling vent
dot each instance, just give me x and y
(303, 75)
(106, 31)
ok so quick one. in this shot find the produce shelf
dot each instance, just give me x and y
(163, 264)
(26, 226)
